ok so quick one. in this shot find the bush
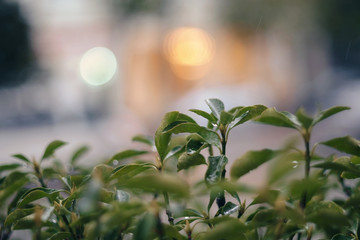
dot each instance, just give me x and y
(129, 198)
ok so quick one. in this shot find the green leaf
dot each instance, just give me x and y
(7, 167)
(22, 158)
(12, 183)
(79, 153)
(250, 161)
(226, 118)
(216, 106)
(189, 212)
(226, 230)
(18, 214)
(345, 144)
(316, 212)
(341, 237)
(61, 236)
(189, 160)
(272, 117)
(266, 196)
(162, 139)
(327, 113)
(144, 228)
(38, 193)
(208, 135)
(160, 183)
(342, 164)
(305, 120)
(144, 139)
(185, 118)
(126, 172)
(127, 154)
(247, 113)
(204, 114)
(51, 148)
(172, 233)
(228, 209)
(216, 167)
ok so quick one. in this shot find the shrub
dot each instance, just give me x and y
(129, 198)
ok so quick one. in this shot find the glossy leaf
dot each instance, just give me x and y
(144, 139)
(204, 114)
(172, 233)
(208, 135)
(38, 193)
(272, 117)
(328, 113)
(216, 167)
(22, 158)
(316, 212)
(346, 144)
(228, 209)
(162, 139)
(51, 148)
(186, 160)
(216, 106)
(189, 213)
(78, 154)
(250, 161)
(305, 120)
(12, 183)
(247, 113)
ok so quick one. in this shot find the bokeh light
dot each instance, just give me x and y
(189, 46)
(98, 66)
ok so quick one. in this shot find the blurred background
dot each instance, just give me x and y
(98, 72)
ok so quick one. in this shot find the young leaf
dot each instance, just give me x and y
(327, 113)
(208, 135)
(272, 117)
(346, 144)
(189, 160)
(144, 139)
(79, 153)
(226, 118)
(228, 209)
(204, 114)
(216, 106)
(22, 158)
(51, 148)
(126, 172)
(250, 161)
(162, 139)
(247, 113)
(305, 120)
(216, 167)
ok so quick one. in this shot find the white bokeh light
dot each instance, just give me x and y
(98, 66)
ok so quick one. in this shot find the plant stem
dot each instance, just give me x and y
(168, 211)
(220, 199)
(306, 138)
(63, 217)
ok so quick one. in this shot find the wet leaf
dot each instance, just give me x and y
(216, 106)
(186, 160)
(216, 167)
(38, 193)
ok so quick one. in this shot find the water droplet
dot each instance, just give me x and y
(295, 164)
(115, 162)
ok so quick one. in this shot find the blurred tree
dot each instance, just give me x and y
(16, 55)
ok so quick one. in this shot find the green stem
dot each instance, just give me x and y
(63, 217)
(306, 138)
(168, 211)
(220, 199)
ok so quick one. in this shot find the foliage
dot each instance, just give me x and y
(131, 197)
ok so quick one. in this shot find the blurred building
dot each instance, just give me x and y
(157, 56)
